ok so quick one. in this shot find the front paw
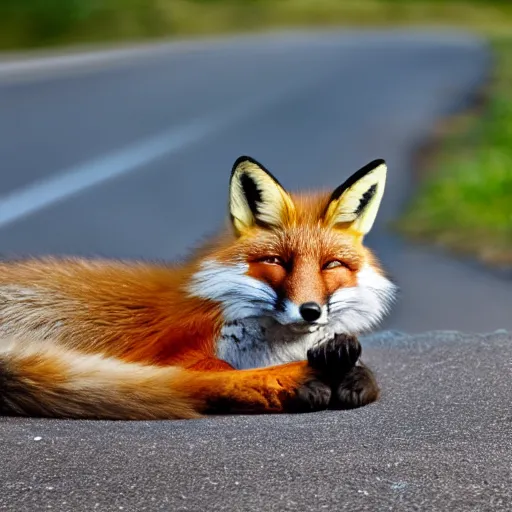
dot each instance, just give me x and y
(356, 389)
(312, 395)
(334, 358)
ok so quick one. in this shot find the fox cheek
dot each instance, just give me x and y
(339, 278)
(273, 275)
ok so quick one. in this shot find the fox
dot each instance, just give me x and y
(263, 317)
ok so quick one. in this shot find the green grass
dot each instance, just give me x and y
(42, 23)
(465, 201)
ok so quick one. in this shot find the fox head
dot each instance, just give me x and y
(298, 258)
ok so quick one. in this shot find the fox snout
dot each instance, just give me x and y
(310, 311)
(302, 312)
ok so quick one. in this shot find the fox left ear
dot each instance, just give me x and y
(356, 202)
(256, 198)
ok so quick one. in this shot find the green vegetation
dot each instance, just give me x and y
(36, 23)
(466, 203)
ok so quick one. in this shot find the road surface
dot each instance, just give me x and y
(128, 155)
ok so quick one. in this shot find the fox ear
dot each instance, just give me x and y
(256, 198)
(355, 203)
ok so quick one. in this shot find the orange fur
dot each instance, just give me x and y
(126, 340)
(304, 239)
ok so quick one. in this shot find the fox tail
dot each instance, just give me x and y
(42, 379)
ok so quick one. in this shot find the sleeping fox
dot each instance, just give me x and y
(262, 318)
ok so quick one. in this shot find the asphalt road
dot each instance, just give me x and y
(438, 440)
(128, 155)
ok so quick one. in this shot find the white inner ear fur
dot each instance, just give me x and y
(350, 207)
(274, 205)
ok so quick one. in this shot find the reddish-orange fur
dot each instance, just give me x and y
(142, 314)
(136, 312)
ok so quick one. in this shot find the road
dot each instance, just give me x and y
(128, 155)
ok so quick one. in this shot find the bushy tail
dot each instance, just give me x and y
(41, 379)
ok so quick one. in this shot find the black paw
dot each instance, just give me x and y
(313, 395)
(357, 388)
(335, 357)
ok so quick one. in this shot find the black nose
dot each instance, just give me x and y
(310, 311)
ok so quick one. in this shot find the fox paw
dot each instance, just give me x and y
(312, 395)
(357, 388)
(335, 357)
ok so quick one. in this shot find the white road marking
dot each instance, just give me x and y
(64, 184)
(29, 65)
(19, 66)
(68, 182)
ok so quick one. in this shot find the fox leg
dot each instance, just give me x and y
(353, 385)
(292, 387)
(39, 379)
(357, 388)
(332, 377)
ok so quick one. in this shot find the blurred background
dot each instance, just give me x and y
(55, 22)
(120, 120)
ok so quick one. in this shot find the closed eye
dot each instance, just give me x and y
(334, 264)
(272, 260)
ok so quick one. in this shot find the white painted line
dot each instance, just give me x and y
(19, 66)
(40, 64)
(46, 65)
(64, 184)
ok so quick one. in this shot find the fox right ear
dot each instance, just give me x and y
(256, 198)
(355, 203)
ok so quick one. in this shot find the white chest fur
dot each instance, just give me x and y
(256, 343)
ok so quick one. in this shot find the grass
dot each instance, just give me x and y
(465, 204)
(43, 23)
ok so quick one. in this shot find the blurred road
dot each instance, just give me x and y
(129, 156)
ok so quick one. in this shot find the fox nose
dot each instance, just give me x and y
(310, 311)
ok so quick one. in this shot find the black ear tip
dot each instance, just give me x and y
(375, 163)
(243, 158)
(368, 168)
(261, 167)
(356, 177)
